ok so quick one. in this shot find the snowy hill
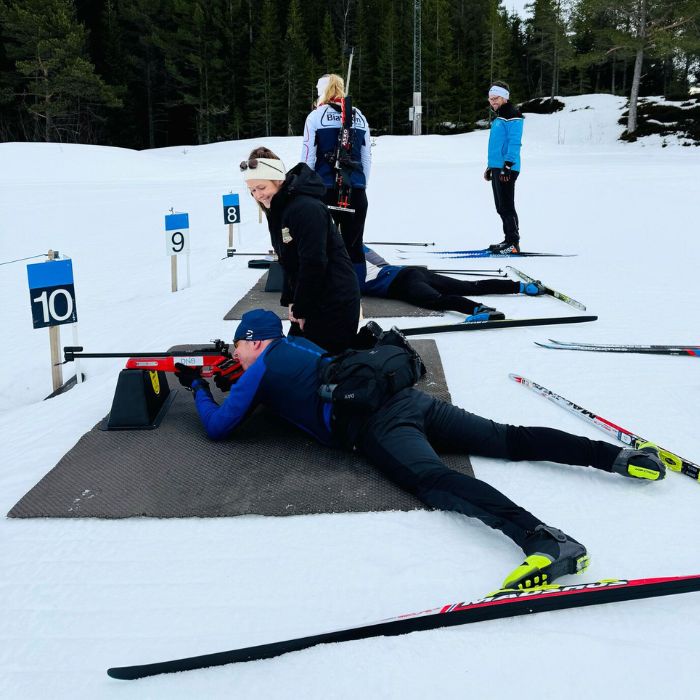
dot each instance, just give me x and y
(78, 596)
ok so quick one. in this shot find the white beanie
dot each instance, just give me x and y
(264, 169)
(322, 84)
(499, 91)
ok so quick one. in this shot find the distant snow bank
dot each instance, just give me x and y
(595, 119)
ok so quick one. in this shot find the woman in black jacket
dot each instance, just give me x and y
(320, 285)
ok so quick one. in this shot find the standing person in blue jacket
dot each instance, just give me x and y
(504, 164)
(321, 133)
(401, 437)
(422, 287)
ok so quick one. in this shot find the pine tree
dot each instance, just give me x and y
(550, 45)
(57, 82)
(440, 72)
(331, 61)
(388, 67)
(132, 59)
(647, 28)
(297, 69)
(264, 96)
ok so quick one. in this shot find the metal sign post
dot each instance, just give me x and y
(52, 298)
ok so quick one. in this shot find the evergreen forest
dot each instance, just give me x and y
(152, 73)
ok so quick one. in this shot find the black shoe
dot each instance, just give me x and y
(484, 313)
(505, 248)
(640, 463)
(550, 554)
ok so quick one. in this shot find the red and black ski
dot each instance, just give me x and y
(501, 604)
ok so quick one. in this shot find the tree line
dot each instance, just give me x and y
(151, 73)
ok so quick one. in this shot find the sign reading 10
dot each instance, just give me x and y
(52, 293)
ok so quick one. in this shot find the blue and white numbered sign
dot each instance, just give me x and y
(177, 238)
(232, 209)
(52, 293)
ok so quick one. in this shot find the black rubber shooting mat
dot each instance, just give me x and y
(372, 307)
(175, 471)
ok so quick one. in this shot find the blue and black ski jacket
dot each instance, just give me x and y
(505, 138)
(285, 379)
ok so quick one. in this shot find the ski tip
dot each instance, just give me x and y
(118, 673)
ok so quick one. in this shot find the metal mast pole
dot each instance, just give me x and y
(417, 108)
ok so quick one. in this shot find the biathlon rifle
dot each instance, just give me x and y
(341, 158)
(214, 359)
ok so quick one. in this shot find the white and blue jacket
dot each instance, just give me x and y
(505, 138)
(321, 132)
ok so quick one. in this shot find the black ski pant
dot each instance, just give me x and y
(431, 290)
(504, 198)
(352, 226)
(334, 330)
(404, 437)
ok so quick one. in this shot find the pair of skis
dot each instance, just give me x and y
(686, 350)
(498, 605)
(342, 158)
(485, 253)
(673, 461)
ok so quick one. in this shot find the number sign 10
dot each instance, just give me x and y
(52, 293)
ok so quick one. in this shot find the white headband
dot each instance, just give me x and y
(265, 169)
(322, 84)
(500, 91)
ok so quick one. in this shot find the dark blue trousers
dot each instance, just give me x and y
(404, 437)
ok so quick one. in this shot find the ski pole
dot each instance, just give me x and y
(475, 271)
(470, 274)
(347, 82)
(397, 243)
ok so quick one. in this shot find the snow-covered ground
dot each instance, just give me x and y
(78, 596)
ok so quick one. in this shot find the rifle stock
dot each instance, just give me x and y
(210, 358)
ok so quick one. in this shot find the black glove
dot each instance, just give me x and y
(227, 374)
(487, 174)
(506, 171)
(188, 375)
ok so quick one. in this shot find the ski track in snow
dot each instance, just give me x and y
(81, 595)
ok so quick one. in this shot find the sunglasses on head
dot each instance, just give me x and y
(253, 163)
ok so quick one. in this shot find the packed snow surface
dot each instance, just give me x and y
(78, 596)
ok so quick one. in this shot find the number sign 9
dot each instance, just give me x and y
(232, 209)
(52, 293)
(177, 238)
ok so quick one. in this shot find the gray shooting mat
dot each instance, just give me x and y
(267, 468)
(372, 307)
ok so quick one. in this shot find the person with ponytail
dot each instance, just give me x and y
(321, 134)
(320, 285)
